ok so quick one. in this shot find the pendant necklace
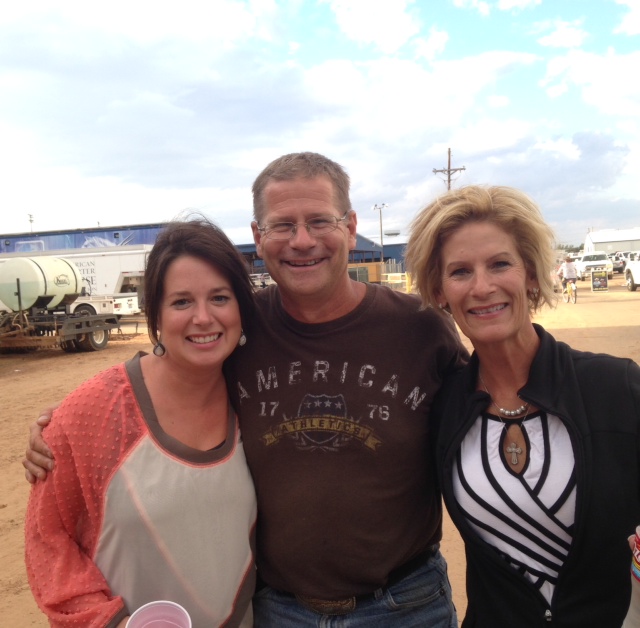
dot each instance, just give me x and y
(513, 448)
(506, 413)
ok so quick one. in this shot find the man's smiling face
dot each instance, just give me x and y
(305, 266)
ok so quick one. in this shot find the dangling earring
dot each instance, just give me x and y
(159, 350)
(243, 339)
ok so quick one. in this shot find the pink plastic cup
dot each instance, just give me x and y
(632, 620)
(160, 614)
(635, 561)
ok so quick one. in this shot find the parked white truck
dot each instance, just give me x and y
(595, 260)
(632, 272)
(111, 276)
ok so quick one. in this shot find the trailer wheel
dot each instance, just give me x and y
(70, 346)
(95, 340)
(87, 310)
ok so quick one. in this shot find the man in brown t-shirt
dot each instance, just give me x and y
(333, 391)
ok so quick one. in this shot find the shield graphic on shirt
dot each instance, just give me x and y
(322, 407)
(321, 423)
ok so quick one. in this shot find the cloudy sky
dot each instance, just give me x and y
(131, 111)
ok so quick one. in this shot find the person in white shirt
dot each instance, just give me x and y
(567, 272)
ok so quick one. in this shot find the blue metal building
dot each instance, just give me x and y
(366, 250)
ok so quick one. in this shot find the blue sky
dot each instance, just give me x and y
(133, 111)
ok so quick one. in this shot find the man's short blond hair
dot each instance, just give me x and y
(302, 166)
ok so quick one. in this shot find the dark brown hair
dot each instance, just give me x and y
(199, 238)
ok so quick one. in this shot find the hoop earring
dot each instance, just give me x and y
(159, 350)
(243, 339)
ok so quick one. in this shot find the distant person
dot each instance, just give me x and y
(152, 497)
(567, 272)
(538, 445)
(334, 393)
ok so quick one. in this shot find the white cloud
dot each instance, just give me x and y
(565, 35)
(562, 147)
(480, 5)
(132, 112)
(147, 21)
(386, 25)
(393, 100)
(630, 24)
(88, 201)
(555, 91)
(433, 46)
(466, 77)
(606, 81)
(508, 5)
(491, 135)
(497, 101)
(63, 197)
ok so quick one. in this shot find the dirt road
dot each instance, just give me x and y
(601, 322)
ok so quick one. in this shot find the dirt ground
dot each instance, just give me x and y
(602, 322)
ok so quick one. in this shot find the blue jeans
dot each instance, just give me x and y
(422, 599)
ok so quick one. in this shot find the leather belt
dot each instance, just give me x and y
(328, 607)
(347, 605)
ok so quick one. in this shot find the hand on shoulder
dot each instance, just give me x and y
(38, 459)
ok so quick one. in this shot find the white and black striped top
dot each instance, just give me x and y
(527, 518)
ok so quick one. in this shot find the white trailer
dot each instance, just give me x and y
(112, 277)
(36, 311)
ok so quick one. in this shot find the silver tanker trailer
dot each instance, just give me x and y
(35, 295)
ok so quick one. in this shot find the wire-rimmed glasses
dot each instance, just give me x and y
(316, 227)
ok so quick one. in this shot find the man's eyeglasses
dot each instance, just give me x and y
(316, 227)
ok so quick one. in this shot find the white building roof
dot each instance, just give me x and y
(614, 235)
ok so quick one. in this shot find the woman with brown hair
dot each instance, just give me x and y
(152, 498)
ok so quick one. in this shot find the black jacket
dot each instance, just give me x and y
(598, 398)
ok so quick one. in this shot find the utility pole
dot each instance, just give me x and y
(449, 171)
(379, 208)
(31, 221)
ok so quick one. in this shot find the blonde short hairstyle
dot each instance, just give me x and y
(508, 208)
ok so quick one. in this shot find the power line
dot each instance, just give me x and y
(448, 171)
